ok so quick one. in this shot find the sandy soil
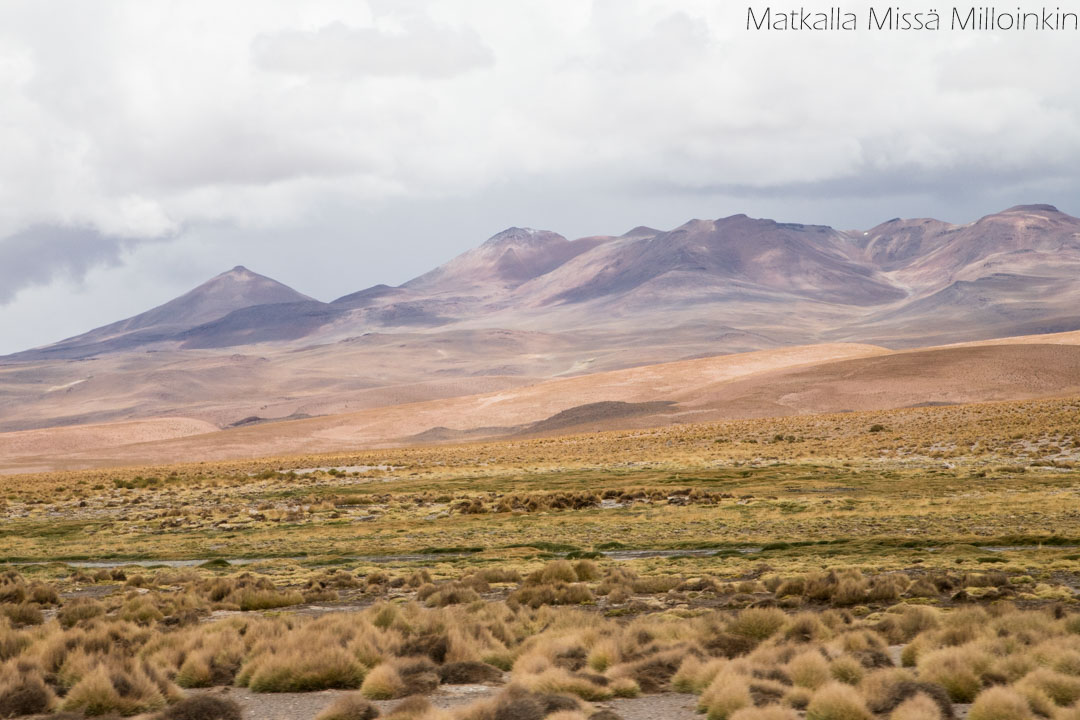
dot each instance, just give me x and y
(98, 437)
(786, 381)
(397, 423)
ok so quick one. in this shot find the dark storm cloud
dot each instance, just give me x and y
(970, 180)
(41, 254)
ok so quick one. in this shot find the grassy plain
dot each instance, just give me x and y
(710, 558)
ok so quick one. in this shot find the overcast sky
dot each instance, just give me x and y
(147, 145)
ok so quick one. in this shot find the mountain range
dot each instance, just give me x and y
(531, 306)
(768, 283)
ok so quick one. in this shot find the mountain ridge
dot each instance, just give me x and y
(1004, 271)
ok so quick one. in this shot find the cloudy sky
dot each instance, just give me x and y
(148, 145)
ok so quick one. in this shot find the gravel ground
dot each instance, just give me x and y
(305, 706)
(668, 706)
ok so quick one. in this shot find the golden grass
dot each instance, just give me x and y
(801, 563)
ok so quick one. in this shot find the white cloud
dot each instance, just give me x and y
(420, 48)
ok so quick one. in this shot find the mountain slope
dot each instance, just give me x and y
(506, 260)
(1011, 273)
(743, 256)
(230, 291)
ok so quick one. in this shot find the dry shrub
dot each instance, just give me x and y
(999, 703)
(1038, 701)
(517, 703)
(923, 587)
(879, 688)
(468, 673)
(586, 570)
(79, 610)
(555, 572)
(808, 669)
(113, 690)
(248, 599)
(757, 623)
(624, 687)
(434, 645)
(654, 673)
(886, 689)
(499, 575)
(411, 708)
(655, 584)
(535, 596)
(837, 701)
(798, 697)
(851, 591)
(142, 611)
(821, 586)
(349, 707)
(213, 659)
(768, 712)
(807, 627)
(451, 594)
(43, 594)
(918, 707)
(847, 669)
(419, 578)
(790, 586)
(603, 655)
(23, 691)
(418, 673)
(383, 683)
(727, 693)
(957, 669)
(766, 691)
(1062, 689)
(915, 619)
(964, 626)
(23, 614)
(694, 674)
(561, 682)
(605, 715)
(301, 667)
(887, 588)
(203, 707)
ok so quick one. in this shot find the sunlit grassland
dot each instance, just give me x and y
(867, 489)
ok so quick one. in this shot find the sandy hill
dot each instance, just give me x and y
(825, 378)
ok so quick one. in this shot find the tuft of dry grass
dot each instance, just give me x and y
(23, 691)
(102, 691)
(203, 707)
(349, 707)
(758, 623)
(917, 707)
(809, 669)
(999, 703)
(957, 669)
(727, 693)
(837, 701)
(383, 682)
(768, 712)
